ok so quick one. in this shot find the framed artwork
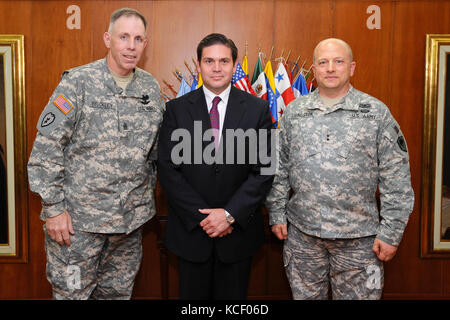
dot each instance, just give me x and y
(435, 211)
(13, 182)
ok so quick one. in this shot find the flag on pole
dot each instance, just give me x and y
(184, 88)
(200, 80)
(259, 81)
(194, 84)
(258, 69)
(310, 86)
(240, 80)
(299, 86)
(283, 87)
(245, 65)
(272, 93)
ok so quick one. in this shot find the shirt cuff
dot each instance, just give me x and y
(389, 236)
(50, 210)
(277, 219)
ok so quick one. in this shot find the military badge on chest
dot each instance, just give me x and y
(364, 107)
(145, 99)
(365, 111)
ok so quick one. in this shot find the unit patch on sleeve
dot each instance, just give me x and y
(47, 119)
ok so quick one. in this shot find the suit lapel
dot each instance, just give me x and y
(235, 109)
(198, 109)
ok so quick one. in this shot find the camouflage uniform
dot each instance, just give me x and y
(94, 151)
(334, 159)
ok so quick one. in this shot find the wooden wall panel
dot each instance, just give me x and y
(408, 273)
(253, 21)
(371, 48)
(14, 19)
(390, 66)
(178, 26)
(299, 26)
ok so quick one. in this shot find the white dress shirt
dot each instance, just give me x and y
(221, 107)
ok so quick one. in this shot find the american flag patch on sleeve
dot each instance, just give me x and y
(62, 104)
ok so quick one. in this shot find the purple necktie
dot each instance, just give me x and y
(214, 116)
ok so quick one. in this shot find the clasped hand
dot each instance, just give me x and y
(215, 224)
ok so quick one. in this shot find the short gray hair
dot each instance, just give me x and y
(342, 42)
(128, 12)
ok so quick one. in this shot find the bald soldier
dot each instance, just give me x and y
(337, 145)
(92, 164)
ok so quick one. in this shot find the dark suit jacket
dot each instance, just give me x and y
(238, 188)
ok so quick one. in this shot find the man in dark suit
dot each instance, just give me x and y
(214, 186)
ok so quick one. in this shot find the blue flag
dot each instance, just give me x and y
(194, 84)
(184, 88)
(272, 98)
(299, 86)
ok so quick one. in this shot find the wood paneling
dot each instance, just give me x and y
(408, 273)
(177, 28)
(390, 66)
(299, 26)
(246, 26)
(373, 54)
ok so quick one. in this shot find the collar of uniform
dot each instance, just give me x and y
(347, 102)
(135, 88)
(109, 80)
(132, 89)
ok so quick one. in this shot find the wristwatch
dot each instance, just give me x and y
(229, 218)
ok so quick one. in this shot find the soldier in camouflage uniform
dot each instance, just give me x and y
(335, 147)
(93, 164)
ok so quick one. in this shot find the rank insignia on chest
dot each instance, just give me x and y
(62, 104)
(364, 107)
(145, 99)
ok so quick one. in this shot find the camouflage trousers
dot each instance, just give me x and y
(348, 266)
(94, 266)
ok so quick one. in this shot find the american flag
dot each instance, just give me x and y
(240, 80)
(63, 104)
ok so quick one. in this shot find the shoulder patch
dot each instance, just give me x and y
(63, 104)
(48, 119)
(402, 144)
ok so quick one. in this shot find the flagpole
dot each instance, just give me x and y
(187, 66)
(170, 87)
(190, 71)
(175, 73)
(308, 73)
(289, 54)
(271, 53)
(295, 65)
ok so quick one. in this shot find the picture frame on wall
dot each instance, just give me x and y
(13, 184)
(435, 211)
